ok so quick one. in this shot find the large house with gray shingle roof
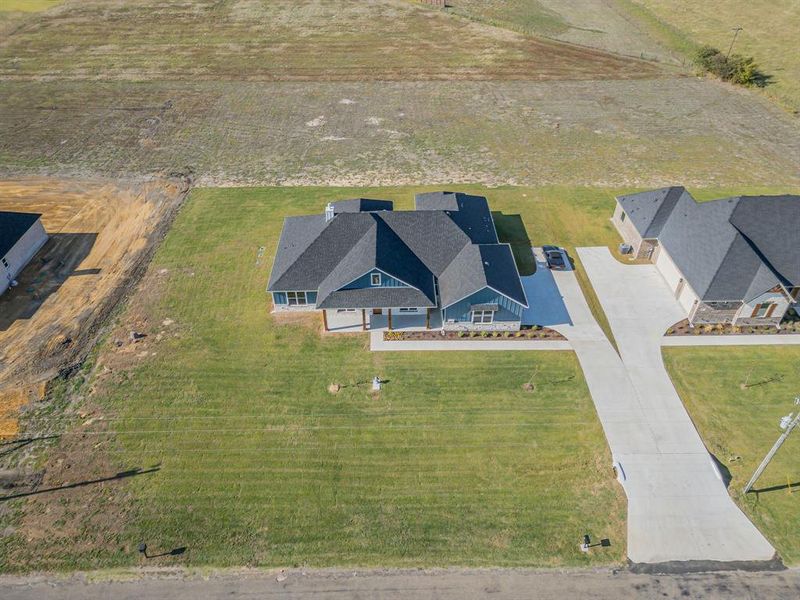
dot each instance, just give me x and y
(441, 260)
(733, 260)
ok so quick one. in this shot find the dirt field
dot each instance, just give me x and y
(99, 234)
(287, 40)
(613, 133)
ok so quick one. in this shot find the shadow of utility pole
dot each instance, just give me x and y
(120, 475)
(19, 444)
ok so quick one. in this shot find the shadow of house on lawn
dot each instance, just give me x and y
(57, 261)
(511, 230)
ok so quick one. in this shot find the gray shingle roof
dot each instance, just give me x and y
(772, 224)
(433, 235)
(379, 248)
(649, 211)
(728, 249)
(361, 205)
(412, 246)
(13, 225)
(376, 298)
(470, 213)
(479, 266)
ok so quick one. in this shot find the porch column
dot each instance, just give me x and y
(325, 319)
(427, 318)
(363, 319)
(390, 319)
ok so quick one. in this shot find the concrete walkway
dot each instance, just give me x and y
(378, 344)
(678, 507)
(787, 339)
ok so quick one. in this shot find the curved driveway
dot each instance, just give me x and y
(678, 506)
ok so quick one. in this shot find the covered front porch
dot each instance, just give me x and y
(385, 319)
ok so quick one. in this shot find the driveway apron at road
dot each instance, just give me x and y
(678, 507)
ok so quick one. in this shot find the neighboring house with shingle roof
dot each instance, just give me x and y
(733, 260)
(21, 237)
(442, 259)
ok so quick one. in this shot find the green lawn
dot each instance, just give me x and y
(739, 426)
(453, 464)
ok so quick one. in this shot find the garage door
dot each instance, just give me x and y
(682, 292)
(668, 270)
(687, 298)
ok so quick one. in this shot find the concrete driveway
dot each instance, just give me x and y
(678, 506)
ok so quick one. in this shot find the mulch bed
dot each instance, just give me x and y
(526, 333)
(790, 327)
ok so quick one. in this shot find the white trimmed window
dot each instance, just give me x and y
(762, 309)
(345, 310)
(296, 298)
(482, 316)
(375, 279)
(407, 310)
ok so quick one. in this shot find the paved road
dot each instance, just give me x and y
(678, 507)
(452, 584)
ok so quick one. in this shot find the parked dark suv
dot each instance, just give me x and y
(556, 258)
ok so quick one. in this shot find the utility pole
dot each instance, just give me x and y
(735, 31)
(788, 423)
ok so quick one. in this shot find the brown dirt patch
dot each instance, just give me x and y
(102, 235)
(55, 516)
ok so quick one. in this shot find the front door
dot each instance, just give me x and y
(376, 311)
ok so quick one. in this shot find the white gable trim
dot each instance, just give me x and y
(488, 287)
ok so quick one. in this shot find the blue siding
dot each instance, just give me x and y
(461, 311)
(280, 297)
(364, 282)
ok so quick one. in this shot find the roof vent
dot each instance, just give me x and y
(329, 214)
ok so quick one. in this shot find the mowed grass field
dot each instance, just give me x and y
(736, 397)
(770, 32)
(287, 40)
(453, 463)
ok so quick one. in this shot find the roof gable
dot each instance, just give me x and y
(480, 266)
(379, 248)
(649, 211)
